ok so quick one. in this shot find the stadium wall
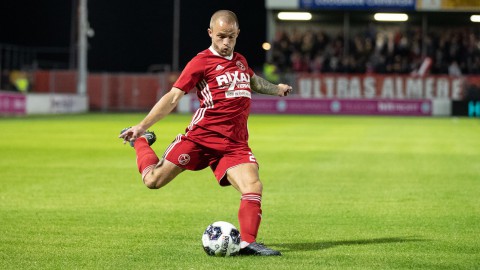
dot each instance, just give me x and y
(342, 94)
(107, 91)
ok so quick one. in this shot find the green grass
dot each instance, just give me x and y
(339, 192)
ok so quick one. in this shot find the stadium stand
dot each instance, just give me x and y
(453, 51)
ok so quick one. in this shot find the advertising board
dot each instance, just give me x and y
(358, 4)
(12, 103)
(448, 5)
(272, 105)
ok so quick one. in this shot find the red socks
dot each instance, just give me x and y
(249, 216)
(146, 157)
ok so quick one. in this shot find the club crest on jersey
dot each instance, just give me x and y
(183, 159)
(241, 66)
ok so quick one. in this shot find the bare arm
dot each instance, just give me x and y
(262, 86)
(161, 109)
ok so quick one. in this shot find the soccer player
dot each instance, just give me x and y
(217, 135)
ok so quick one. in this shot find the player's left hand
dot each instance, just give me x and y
(284, 89)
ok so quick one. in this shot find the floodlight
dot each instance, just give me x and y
(266, 46)
(475, 18)
(294, 16)
(391, 17)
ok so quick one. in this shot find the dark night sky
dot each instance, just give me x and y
(132, 35)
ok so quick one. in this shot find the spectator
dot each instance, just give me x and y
(389, 50)
(454, 69)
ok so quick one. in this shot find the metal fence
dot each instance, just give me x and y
(27, 59)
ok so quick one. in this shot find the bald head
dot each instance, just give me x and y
(226, 16)
(224, 32)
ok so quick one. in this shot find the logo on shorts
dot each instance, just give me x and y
(183, 159)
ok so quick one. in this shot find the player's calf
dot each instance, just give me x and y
(163, 172)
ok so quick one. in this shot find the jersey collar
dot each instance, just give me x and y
(230, 57)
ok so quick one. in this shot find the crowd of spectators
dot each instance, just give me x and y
(452, 51)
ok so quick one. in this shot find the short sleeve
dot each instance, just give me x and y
(191, 75)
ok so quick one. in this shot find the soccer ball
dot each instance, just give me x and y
(221, 239)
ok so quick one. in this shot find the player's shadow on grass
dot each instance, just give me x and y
(331, 244)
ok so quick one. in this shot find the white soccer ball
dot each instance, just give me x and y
(221, 239)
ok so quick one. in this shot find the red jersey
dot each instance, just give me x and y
(223, 89)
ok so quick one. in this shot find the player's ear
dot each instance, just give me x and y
(209, 32)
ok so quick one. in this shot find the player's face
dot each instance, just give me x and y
(224, 36)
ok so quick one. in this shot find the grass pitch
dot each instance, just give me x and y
(339, 192)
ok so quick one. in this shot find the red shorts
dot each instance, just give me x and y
(201, 148)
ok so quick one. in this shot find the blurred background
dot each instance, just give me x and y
(402, 57)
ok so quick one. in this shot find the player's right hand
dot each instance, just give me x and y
(131, 134)
(125, 134)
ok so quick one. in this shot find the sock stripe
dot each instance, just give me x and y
(252, 197)
(147, 170)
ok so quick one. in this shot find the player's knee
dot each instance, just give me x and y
(254, 186)
(159, 178)
(152, 182)
(258, 187)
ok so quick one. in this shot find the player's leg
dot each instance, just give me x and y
(163, 172)
(155, 173)
(244, 177)
(181, 155)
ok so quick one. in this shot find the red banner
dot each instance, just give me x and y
(381, 86)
